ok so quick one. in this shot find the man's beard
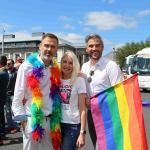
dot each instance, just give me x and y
(47, 58)
(44, 56)
(95, 58)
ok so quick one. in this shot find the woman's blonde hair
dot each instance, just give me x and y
(76, 65)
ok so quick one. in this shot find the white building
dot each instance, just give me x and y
(14, 47)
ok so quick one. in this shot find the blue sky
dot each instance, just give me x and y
(117, 21)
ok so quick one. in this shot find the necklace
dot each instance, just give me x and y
(37, 116)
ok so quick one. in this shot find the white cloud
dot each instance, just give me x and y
(110, 47)
(119, 45)
(5, 26)
(144, 13)
(71, 37)
(86, 29)
(68, 26)
(36, 28)
(108, 21)
(64, 18)
(108, 42)
(109, 1)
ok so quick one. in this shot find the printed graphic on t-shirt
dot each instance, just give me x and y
(65, 93)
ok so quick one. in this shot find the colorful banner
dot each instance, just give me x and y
(118, 117)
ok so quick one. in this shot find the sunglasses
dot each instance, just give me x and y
(8, 64)
(89, 79)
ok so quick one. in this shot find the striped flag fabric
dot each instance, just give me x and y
(118, 117)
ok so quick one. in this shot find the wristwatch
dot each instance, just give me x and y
(83, 131)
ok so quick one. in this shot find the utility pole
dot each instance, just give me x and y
(3, 41)
(114, 54)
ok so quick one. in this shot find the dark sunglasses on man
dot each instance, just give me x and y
(89, 79)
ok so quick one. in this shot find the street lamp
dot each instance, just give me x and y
(3, 41)
(114, 54)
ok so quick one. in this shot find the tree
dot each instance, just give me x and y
(129, 49)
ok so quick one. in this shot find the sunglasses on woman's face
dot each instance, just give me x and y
(90, 77)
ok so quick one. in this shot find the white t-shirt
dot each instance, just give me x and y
(69, 94)
(106, 74)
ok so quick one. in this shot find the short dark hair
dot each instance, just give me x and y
(3, 60)
(12, 61)
(50, 35)
(94, 36)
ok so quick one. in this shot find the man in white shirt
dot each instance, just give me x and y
(25, 110)
(100, 73)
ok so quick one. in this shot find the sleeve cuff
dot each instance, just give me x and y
(20, 118)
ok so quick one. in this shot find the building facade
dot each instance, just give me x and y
(13, 47)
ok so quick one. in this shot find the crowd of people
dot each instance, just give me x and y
(8, 74)
(52, 105)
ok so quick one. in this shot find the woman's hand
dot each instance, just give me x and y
(81, 140)
(24, 124)
(88, 103)
(81, 74)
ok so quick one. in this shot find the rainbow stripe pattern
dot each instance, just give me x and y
(118, 118)
(33, 82)
(56, 109)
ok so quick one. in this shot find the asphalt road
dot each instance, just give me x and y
(14, 141)
(146, 111)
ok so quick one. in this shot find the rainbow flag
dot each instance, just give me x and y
(118, 117)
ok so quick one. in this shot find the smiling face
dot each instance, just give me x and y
(66, 67)
(94, 48)
(48, 48)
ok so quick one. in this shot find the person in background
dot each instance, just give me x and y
(3, 90)
(19, 60)
(17, 65)
(100, 73)
(72, 91)
(36, 80)
(12, 125)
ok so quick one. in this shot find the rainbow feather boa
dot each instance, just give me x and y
(33, 81)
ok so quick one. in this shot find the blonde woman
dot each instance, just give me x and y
(73, 91)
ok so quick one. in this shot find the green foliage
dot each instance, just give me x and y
(129, 49)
